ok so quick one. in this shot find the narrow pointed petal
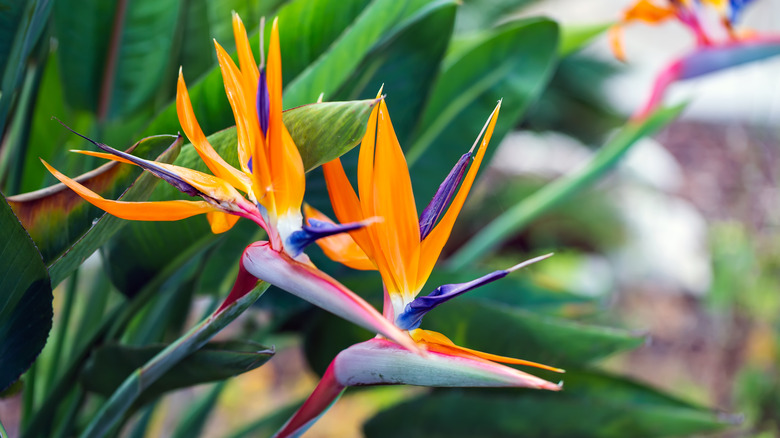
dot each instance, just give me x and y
(399, 232)
(246, 59)
(316, 287)
(439, 342)
(263, 103)
(214, 162)
(250, 141)
(138, 211)
(314, 231)
(414, 312)
(285, 161)
(326, 393)
(443, 196)
(431, 247)
(340, 248)
(188, 181)
(381, 362)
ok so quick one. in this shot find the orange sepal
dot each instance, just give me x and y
(436, 341)
(340, 248)
(649, 12)
(137, 211)
(288, 181)
(220, 221)
(192, 129)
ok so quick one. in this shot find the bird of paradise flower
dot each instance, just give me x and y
(271, 175)
(719, 45)
(404, 249)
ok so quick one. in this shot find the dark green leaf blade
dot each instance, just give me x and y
(25, 299)
(512, 63)
(110, 365)
(148, 30)
(592, 405)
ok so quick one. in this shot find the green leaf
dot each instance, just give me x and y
(145, 376)
(328, 72)
(592, 405)
(513, 63)
(25, 301)
(66, 228)
(531, 207)
(148, 28)
(405, 67)
(26, 35)
(324, 131)
(83, 32)
(194, 419)
(114, 57)
(142, 249)
(110, 365)
(574, 38)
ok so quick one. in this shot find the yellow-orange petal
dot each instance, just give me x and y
(137, 211)
(616, 43)
(249, 71)
(285, 161)
(340, 248)
(345, 203)
(250, 138)
(431, 247)
(194, 133)
(436, 341)
(220, 221)
(649, 12)
(399, 231)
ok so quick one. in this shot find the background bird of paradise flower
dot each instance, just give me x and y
(109, 70)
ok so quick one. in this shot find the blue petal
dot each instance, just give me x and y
(314, 231)
(443, 196)
(414, 312)
(263, 103)
(736, 8)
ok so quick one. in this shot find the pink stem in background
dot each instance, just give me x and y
(669, 75)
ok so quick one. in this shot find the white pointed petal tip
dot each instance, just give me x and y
(380, 362)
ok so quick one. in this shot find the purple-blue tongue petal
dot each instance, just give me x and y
(314, 231)
(443, 196)
(263, 103)
(414, 312)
